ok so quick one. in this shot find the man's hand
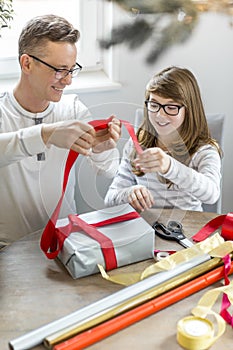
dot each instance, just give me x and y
(107, 138)
(74, 135)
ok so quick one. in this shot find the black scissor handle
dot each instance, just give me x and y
(173, 231)
(162, 231)
(175, 226)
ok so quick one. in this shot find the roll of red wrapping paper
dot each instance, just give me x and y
(114, 325)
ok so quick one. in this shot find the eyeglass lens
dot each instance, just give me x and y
(170, 109)
(61, 74)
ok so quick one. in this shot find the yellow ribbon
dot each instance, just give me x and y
(197, 332)
(214, 245)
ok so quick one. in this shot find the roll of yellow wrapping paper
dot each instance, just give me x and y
(102, 306)
(129, 297)
(216, 248)
(105, 329)
(69, 332)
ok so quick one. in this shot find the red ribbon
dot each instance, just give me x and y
(226, 221)
(225, 300)
(77, 224)
(52, 238)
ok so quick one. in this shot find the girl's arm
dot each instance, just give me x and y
(202, 178)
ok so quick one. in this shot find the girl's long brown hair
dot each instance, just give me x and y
(180, 85)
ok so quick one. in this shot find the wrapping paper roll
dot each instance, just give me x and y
(104, 305)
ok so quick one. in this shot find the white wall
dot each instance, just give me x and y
(208, 53)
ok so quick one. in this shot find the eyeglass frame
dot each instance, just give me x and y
(60, 70)
(164, 107)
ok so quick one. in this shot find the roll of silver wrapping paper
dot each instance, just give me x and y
(102, 306)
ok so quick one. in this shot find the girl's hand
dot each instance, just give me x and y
(153, 160)
(140, 198)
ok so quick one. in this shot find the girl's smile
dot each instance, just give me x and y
(163, 122)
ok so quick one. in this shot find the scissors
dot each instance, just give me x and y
(173, 231)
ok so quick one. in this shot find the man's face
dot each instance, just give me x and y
(45, 84)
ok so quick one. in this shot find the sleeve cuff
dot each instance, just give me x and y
(102, 156)
(31, 140)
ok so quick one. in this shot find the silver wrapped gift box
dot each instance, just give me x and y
(133, 241)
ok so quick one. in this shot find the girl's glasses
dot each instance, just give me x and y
(169, 109)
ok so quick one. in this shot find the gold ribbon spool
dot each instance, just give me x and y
(195, 333)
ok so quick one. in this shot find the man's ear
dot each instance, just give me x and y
(25, 63)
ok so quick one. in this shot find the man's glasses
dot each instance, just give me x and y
(169, 109)
(61, 73)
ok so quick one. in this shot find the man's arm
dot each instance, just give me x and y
(81, 137)
(16, 145)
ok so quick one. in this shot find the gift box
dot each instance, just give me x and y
(131, 240)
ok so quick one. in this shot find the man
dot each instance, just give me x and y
(38, 127)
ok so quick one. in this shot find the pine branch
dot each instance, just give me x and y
(6, 12)
(180, 19)
(134, 34)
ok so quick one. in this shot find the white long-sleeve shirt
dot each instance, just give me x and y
(198, 183)
(30, 189)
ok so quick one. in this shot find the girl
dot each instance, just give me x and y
(181, 164)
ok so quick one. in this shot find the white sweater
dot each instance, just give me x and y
(192, 185)
(30, 189)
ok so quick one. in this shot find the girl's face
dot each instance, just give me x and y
(166, 119)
